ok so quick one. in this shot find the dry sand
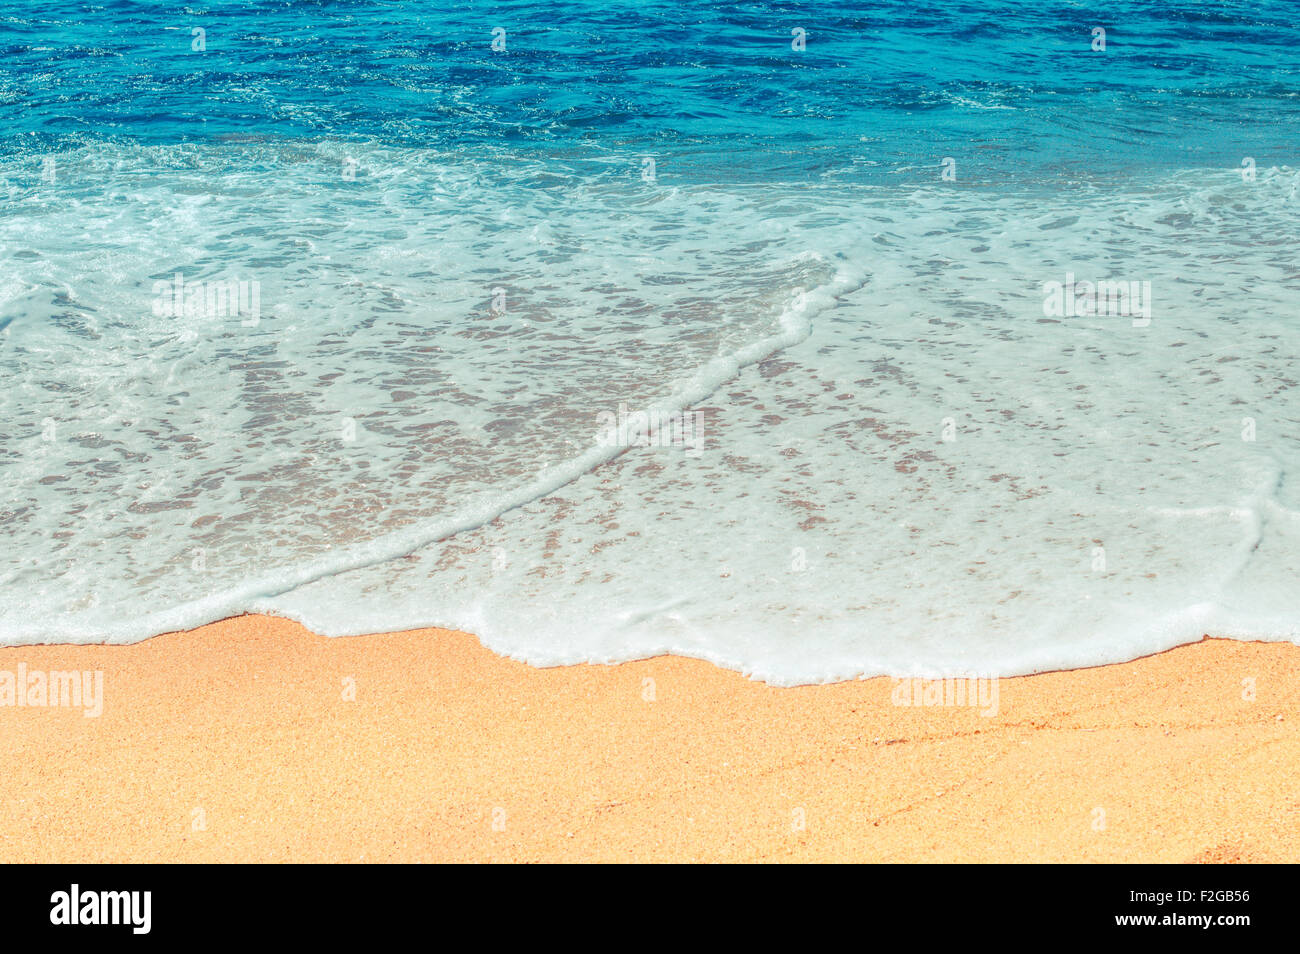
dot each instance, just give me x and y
(237, 742)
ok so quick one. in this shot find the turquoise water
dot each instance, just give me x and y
(881, 92)
(427, 279)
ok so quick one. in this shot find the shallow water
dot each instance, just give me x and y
(461, 266)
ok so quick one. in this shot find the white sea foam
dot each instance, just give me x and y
(907, 469)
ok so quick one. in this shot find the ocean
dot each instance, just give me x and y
(818, 340)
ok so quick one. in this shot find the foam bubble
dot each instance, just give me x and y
(908, 465)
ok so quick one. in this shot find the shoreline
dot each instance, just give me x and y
(253, 739)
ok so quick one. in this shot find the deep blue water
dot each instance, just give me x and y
(1013, 91)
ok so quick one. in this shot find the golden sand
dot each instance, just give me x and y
(255, 740)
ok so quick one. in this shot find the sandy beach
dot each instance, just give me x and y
(255, 740)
